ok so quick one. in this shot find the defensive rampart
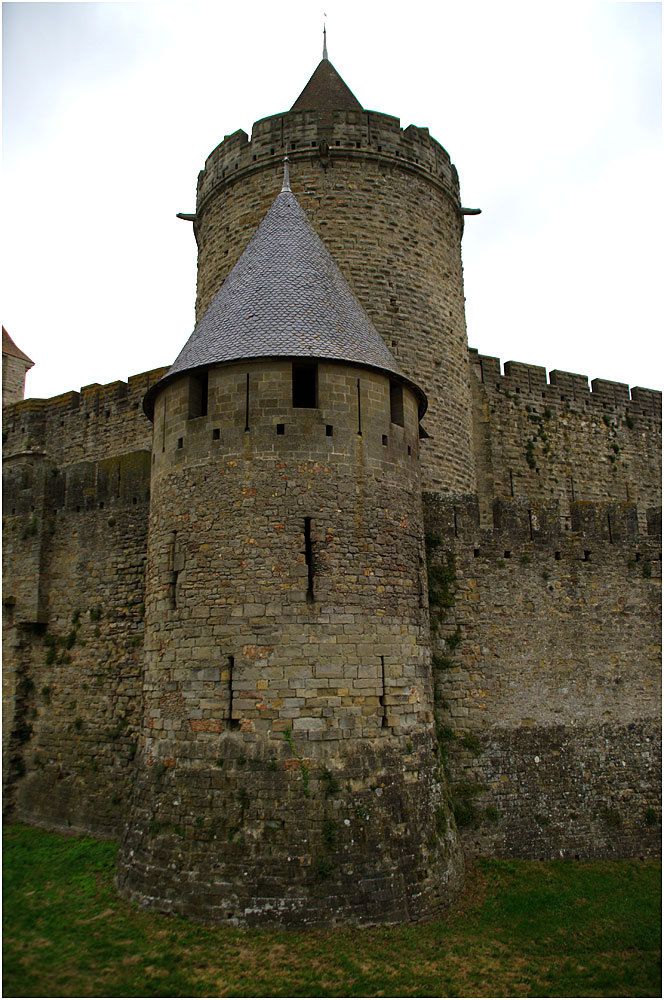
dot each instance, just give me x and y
(547, 672)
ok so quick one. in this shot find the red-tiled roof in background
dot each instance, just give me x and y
(9, 347)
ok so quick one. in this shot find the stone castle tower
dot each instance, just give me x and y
(334, 596)
(287, 687)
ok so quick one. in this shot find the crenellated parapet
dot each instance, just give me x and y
(93, 423)
(325, 138)
(563, 438)
(562, 387)
(520, 526)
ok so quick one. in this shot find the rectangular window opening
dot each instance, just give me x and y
(281, 428)
(180, 442)
(396, 403)
(309, 559)
(246, 406)
(586, 555)
(198, 395)
(385, 440)
(305, 385)
(329, 430)
(216, 433)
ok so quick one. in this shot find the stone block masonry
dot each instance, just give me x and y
(547, 663)
(561, 439)
(385, 201)
(287, 697)
(75, 506)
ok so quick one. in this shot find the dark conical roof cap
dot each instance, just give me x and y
(284, 298)
(326, 91)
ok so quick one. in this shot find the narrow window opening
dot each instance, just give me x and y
(507, 554)
(180, 442)
(281, 428)
(329, 430)
(309, 559)
(557, 555)
(456, 523)
(396, 403)
(246, 406)
(410, 450)
(586, 555)
(359, 409)
(232, 723)
(198, 395)
(216, 433)
(305, 385)
(530, 523)
(637, 557)
(173, 573)
(385, 440)
(608, 522)
(476, 553)
(383, 698)
(163, 430)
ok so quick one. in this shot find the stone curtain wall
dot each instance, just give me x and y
(547, 668)
(74, 542)
(386, 203)
(287, 768)
(96, 423)
(558, 440)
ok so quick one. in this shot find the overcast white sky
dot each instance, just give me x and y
(550, 111)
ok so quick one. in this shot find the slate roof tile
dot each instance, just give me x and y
(284, 298)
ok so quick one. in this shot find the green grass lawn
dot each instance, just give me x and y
(525, 928)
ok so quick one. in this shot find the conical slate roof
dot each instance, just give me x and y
(284, 298)
(326, 91)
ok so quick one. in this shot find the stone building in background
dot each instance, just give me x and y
(334, 598)
(15, 366)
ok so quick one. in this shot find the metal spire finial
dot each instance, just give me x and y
(324, 38)
(286, 185)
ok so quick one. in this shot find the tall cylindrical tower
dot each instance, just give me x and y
(386, 201)
(287, 771)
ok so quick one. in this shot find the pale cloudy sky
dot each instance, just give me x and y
(551, 113)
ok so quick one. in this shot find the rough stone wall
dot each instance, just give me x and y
(557, 440)
(74, 542)
(287, 767)
(13, 379)
(547, 667)
(386, 203)
(96, 423)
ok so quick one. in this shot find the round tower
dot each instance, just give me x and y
(287, 770)
(386, 202)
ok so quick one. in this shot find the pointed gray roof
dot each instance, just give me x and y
(284, 298)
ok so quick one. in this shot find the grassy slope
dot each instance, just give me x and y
(526, 929)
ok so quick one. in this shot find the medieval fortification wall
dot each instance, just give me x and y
(538, 500)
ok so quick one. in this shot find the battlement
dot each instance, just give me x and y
(564, 387)
(97, 421)
(521, 525)
(326, 136)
